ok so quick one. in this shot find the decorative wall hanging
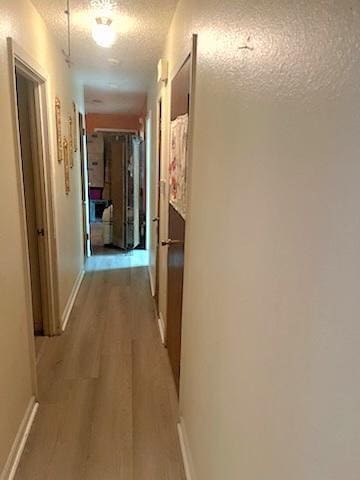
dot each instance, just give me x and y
(177, 168)
(58, 129)
(71, 143)
(75, 132)
(66, 166)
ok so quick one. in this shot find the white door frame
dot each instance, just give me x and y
(20, 60)
(148, 156)
(85, 183)
(157, 220)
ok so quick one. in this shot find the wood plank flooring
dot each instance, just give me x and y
(108, 407)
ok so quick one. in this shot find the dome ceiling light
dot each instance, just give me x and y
(103, 32)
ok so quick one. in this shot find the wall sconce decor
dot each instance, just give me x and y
(66, 166)
(75, 130)
(71, 142)
(58, 129)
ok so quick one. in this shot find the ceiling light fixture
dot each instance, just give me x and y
(103, 33)
(113, 61)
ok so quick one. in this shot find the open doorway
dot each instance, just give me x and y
(32, 194)
(36, 198)
(116, 176)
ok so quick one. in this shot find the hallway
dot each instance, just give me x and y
(108, 407)
(173, 129)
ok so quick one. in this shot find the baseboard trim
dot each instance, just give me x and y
(161, 328)
(185, 451)
(69, 306)
(152, 283)
(19, 443)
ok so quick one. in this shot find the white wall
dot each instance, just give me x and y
(271, 332)
(19, 20)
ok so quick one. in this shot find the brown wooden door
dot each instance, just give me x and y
(180, 105)
(32, 196)
(156, 219)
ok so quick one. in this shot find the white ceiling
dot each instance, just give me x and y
(141, 26)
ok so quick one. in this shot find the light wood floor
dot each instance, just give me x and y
(108, 408)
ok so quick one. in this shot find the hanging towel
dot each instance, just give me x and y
(177, 167)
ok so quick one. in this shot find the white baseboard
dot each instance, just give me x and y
(66, 315)
(19, 443)
(185, 451)
(152, 282)
(161, 328)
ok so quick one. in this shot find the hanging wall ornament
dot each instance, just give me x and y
(71, 143)
(66, 166)
(75, 133)
(58, 129)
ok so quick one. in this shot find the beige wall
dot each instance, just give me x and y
(271, 348)
(18, 19)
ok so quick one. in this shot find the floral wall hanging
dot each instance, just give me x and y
(177, 167)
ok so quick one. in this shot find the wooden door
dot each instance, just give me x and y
(180, 106)
(156, 219)
(32, 195)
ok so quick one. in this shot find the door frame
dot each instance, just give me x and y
(192, 54)
(148, 161)
(157, 218)
(84, 184)
(21, 61)
(105, 131)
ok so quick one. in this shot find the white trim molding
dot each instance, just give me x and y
(152, 281)
(20, 60)
(70, 303)
(161, 328)
(185, 451)
(20, 440)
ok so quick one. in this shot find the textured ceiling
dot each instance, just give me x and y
(141, 27)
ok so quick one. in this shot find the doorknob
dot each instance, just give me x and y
(156, 219)
(170, 242)
(40, 232)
